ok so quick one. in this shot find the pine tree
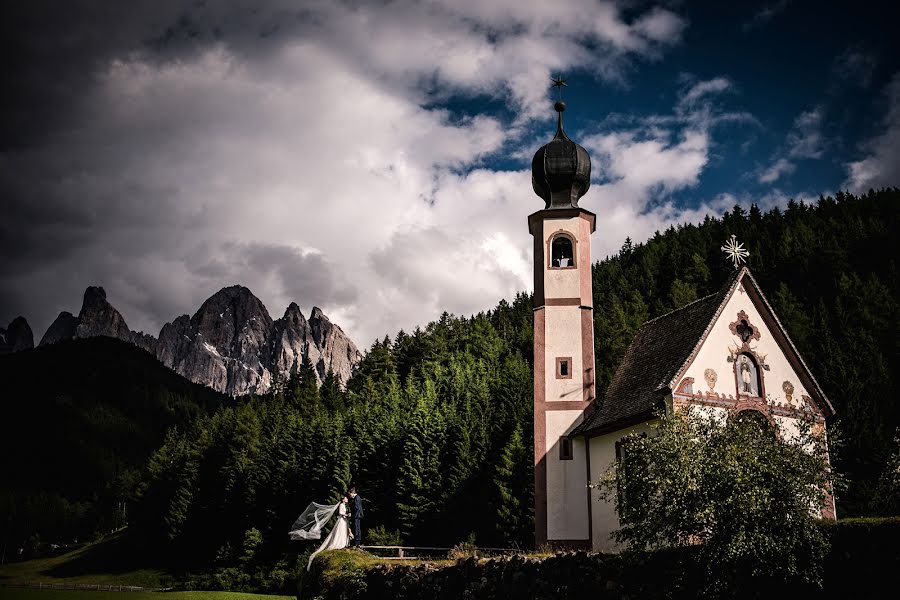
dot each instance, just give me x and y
(514, 492)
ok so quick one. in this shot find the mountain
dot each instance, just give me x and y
(16, 336)
(230, 344)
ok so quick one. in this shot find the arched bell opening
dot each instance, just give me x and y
(562, 252)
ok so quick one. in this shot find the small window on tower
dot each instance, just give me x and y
(565, 448)
(564, 367)
(562, 253)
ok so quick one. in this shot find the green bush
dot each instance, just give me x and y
(736, 490)
(380, 536)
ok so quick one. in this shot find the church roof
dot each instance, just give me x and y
(660, 351)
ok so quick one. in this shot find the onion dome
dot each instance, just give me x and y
(561, 170)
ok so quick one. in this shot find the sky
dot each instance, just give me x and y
(373, 158)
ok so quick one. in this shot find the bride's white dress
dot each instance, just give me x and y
(339, 536)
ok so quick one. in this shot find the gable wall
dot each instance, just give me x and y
(714, 354)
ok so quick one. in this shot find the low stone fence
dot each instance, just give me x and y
(863, 563)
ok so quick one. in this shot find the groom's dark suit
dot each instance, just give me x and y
(357, 517)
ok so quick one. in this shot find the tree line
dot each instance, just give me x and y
(435, 427)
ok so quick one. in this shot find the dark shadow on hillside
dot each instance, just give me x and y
(121, 553)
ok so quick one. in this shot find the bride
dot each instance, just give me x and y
(309, 527)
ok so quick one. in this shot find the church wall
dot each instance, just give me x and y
(603, 513)
(721, 344)
(567, 510)
(782, 396)
(563, 332)
(565, 283)
(563, 339)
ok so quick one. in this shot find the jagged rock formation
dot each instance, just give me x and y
(98, 317)
(63, 328)
(16, 336)
(231, 344)
(225, 344)
(338, 353)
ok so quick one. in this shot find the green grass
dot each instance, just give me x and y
(112, 561)
(27, 594)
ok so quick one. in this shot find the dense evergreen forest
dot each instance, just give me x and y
(435, 428)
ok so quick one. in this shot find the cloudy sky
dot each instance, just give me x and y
(373, 158)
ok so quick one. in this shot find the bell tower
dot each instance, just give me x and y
(563, 340)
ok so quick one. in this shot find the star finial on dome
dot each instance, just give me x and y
(559, 82)
(735, 252)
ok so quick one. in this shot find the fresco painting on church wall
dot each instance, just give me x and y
(747, 376)
(788, 389)
(739, 342)
(711, 378)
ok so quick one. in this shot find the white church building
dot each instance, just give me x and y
(727, 351)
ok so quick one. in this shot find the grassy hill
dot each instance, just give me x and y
(112, 561)
(80, 418)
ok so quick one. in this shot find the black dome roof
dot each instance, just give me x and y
(561, 169)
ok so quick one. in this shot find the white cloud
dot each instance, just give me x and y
(881, 166)
(311, 170)
(780, 167)
(700, 90)
(805, 140)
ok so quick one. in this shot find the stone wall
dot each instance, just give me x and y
(863, 561)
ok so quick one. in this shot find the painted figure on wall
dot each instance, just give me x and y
(748, 381)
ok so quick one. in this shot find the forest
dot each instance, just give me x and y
(435, 427)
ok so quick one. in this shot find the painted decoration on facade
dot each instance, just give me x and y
(747, 376)
(788, 388)
(744, 329)
(711, 377)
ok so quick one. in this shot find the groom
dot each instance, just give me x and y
(357, 510)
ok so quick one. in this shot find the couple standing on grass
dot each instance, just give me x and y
(309, 525)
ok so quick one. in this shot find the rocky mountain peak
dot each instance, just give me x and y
(293, 314)
(340, 354)
(230, 344)
(232, 318)
(63, 328)
(98, 317)
(16, 336)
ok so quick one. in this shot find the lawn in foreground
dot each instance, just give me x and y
(28, 594)
(113, 561)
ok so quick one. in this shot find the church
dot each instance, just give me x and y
(727, 352)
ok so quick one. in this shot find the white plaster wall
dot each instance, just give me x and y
(567, 497)
(603, 512)
(714, 354)
(562, 338)
(563, 283)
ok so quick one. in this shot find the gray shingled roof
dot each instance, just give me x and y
(660, 348)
